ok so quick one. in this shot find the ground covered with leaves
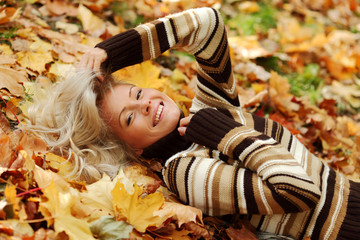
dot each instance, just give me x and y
(296, 62)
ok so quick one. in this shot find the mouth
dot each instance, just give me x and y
(158, 114)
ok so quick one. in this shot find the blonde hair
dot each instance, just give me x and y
(69, 120)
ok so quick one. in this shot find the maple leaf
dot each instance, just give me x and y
(57, 211)
(35, 61)
(12, 79)
(137, 210)
(60, 7)
(90, 22)
(182, 213)
(143, 75)
(279, 94)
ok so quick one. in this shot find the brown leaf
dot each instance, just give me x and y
(182, 213)
(197, 229)
(32, 144)
(12, 79)
(240, 234)
(8, 14)
(60, 7)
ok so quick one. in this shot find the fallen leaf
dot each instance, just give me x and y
(90, 22)
(57, 210)
(11, 80)
(144, 75)
(60, 7)
(181, 213)
(240, 234)
(107, 228)
(35, 61)
(138, 211)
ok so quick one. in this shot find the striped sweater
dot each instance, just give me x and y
(239, 163)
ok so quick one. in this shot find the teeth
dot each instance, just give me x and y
(157, 117)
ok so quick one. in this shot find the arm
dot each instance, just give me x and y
(273, 164)
(200, 32)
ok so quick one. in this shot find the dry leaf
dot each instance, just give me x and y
(12, 79)
(181, 213)
(58, 210)
(137, 210)
(144, 75)
(60, 7)
(91, 23)
(240, 234)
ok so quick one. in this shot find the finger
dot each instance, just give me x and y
(97, 67)
(182, 130)
(83, 62)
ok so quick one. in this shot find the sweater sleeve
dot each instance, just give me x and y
(200, 32)
(278, 170)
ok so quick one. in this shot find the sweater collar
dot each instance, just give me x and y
(168, 145)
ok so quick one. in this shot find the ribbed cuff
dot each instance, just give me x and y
(208, 126)
(123, 50)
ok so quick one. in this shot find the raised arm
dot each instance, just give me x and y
(271, 164)
(200, 32)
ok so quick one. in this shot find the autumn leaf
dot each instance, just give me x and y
(57, 211)
(137, 210)
(107, 228)
(182, 213)
(279, 94)
(144, 75)
(12, 79)
(35, 61)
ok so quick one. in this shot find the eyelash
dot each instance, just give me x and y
(138, 95)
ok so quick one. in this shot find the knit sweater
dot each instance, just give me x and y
(239, 163)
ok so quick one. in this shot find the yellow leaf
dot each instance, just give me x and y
(279, 94)
(61, 164)
(182, 213)
(58, 206)
(91, 23)
(35, 61)
(5, 49)
(10, 194)
(144, 75)
(98, 197)
(137, 211)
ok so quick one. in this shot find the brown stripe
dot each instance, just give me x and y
(216, 189)
(144, 43)
(155, 37)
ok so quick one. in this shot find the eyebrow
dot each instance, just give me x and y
(122, 110)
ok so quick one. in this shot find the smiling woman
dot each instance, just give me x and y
(219, 159)
(139, 116)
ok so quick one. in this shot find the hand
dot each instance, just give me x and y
(184, 122)
(93, 59)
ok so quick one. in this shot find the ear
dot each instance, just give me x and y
(139, 152)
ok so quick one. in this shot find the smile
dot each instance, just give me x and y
(158, 114)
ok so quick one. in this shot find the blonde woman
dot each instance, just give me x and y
(220, 158)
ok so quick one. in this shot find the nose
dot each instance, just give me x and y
(145, 106)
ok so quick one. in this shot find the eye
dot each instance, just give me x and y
(128, 119)
(138, 94)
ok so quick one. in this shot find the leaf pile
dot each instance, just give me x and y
(296, 62)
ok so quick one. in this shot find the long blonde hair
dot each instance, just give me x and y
(69, 120)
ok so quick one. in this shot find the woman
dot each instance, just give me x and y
(219, 159)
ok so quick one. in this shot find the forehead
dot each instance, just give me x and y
(114, 100)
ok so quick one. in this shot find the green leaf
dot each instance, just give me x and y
(110, 229)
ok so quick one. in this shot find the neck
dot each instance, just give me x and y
(168, 145)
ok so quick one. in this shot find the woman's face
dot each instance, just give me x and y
(139, 116)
